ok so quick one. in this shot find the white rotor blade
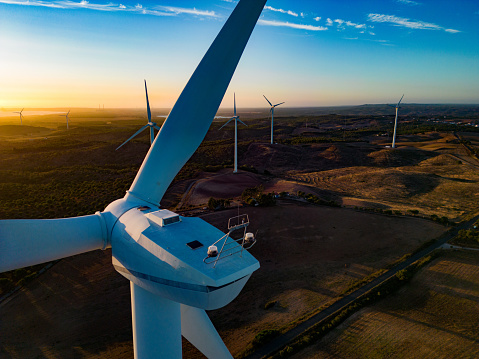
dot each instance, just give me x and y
(197, 328)
(156, 325)
(268, 100)
(26, 242)
(191, 117)
(147, 104)
(231, 119)
(136, 134)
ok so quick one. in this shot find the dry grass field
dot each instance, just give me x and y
(436, 315)
(80, 308)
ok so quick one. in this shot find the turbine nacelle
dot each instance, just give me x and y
(164, 254)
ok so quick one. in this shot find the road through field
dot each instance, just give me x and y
(282, 340)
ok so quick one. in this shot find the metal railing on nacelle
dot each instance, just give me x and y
(230, 245)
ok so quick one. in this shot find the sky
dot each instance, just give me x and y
(66, 53)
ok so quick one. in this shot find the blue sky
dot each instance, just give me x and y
(64, 53)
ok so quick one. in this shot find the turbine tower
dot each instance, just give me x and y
(151, 125)
(21, 116)
(396, 121)
(272, 115)
(236, 118)
(174, 279)
(66, 116)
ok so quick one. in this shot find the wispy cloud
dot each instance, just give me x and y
(317, 18)
(292, 25)
(289, 12)
(138, 8)
(193, 11)
(408, 2)
(343, 23)
(404, 22)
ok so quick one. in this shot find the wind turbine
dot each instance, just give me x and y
(272, 115)
(161, 253)
(396, 121)
(66, 116)
(151, 125)
(236, 118)
(21, 116)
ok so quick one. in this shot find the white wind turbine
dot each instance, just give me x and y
(66, 116)
(21, 116)
(151, 125)
(396, 121)
(172, 283)
(236, 118)
(272, 115)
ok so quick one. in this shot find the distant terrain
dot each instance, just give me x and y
(347, 206)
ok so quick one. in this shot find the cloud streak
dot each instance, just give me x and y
(408, 2)
(289, 12)
(407, 23)
(291, 25)
(139, 9)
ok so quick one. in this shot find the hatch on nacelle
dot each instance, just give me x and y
(163, 217)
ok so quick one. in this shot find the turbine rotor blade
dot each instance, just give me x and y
(157, 127)
(268, 100)
(195, 109)
(242, 122)
(197, 328)
(136, 134)
(278, 104)
(26, 242)
(231, 119)
(235, 103)
(400, 100)
(147, 104)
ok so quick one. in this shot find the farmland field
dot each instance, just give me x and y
(434, 316)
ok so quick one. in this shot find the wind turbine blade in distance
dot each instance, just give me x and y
(268, 101)
(235, 103)
(157, 127)
(136, 133)
(242, 122)
(400, 99)
(147, 104)
(26, 242)
(197, 328)
(278, 104)
(231, 119)
(195, 109)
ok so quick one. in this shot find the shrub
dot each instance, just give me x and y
(264, 337)
(270, 304)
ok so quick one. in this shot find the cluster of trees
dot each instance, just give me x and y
(216, 204)
(256, 196)
(316, 200)
(468, 237)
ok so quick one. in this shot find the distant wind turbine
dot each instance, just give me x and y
(272, 115)
(151, 125)
(21, 116)
(66, 116)
(236, 118)
(396, 121)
